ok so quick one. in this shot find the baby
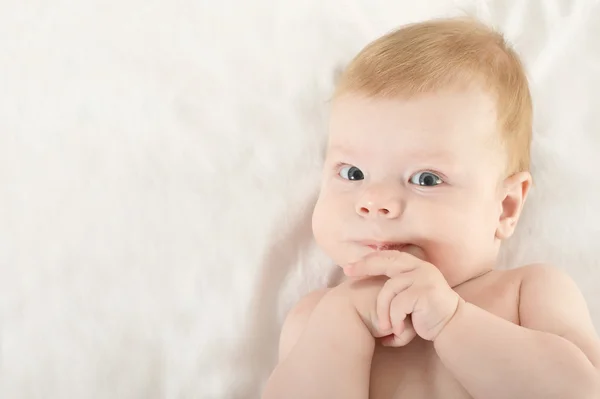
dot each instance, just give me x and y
(426, 174)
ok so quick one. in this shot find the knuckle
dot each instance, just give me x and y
(390, 289)
(389, 284)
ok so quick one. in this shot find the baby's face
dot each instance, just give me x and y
(419, 175)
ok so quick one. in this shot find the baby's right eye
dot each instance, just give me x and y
(351, 173)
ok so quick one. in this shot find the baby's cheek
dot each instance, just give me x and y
(320, 222)
(326, 228)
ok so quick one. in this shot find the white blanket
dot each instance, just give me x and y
(159, 162)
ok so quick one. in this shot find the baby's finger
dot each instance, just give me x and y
(407, 335)
(383, 263)
(398, 325)
(398, 318)
(389, 291)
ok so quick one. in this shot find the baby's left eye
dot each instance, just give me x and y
(427, 179)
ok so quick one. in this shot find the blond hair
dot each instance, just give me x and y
(446, 53)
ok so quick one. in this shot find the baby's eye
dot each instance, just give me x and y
(351, 173)
(427, 179)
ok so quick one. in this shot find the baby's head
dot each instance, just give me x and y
(428, 149)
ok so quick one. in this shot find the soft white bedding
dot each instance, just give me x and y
(159, 162)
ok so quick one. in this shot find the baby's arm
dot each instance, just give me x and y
(555, 353)
(325, 351)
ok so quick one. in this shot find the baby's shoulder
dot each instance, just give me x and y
(548, 296)
(510, 281)
(533, 270)
(537, 281)
(543, 279)
(534, 275)
(551, 301)
(531, 295)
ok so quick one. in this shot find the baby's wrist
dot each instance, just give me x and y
(339, 310)
(452, 320)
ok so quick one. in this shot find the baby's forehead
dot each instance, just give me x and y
(465, 118)
(446, 130)
(429, 150)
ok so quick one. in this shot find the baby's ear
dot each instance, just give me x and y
(514, 192)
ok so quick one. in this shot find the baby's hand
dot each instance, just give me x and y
(362, 295)
(415, 288)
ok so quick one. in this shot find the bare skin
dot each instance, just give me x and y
(414, 205)
(416, 370)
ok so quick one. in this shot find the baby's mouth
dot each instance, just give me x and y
(388, 246)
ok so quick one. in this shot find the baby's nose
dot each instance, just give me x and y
(380, 203)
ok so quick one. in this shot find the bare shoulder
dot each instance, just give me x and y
(296, 320)
(545, 283)
(547, 292)
(550, 301)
